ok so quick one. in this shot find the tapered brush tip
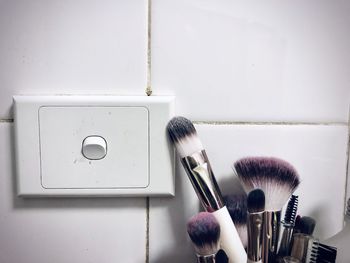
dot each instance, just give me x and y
(204, 231)
(276, 177)
(183, 135)
(256, 201)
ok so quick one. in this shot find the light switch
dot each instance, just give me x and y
(93, 145)
(64, 164)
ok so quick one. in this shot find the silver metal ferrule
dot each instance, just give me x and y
(300, 246)
(271, 229)
(255, 236)
(286, 240)
(202, 178)
(206, 259)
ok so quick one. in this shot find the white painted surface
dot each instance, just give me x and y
(72, 47)
(224, 60)
(50, 130)
(105, 230)
(318, 152)
(253, 60)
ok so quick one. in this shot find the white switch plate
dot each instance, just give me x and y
(49, 135)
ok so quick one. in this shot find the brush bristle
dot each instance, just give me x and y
(320, 253)
(237, 207)
(307, 225)
(204, 231)
(348, 208)
(291, 211)
(184, 136)
(256, 201)
(277, 178)
(311, 255)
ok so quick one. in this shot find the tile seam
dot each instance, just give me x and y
(147, 229)
(149, 57)
(347, 169)
(6, 120)
(223, 123)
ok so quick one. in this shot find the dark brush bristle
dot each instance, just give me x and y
(291, 211)
(237, 208)
(221, 257)
(276, 177)
(321, 253)
(297, 224)
(204, 231)
(348, 208)
(256, 201)
(312, 252)
(307, 225)
(179, 128)
(236, 205)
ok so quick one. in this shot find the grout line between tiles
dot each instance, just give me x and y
(347, 169)
(6, 120)
(147, 229)
(149, 58)
(222, 123)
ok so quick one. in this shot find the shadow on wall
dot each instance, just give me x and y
(67, 203)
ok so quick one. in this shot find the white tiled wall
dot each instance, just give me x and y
(258, 78)
(71, 47)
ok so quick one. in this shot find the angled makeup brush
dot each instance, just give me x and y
(237, 207)
(288, 226)
(196, 164)
(204, 231)
(278, 179)
(256, 208)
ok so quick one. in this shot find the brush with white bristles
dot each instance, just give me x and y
(204, 231)
(196, 164)
(278, 179)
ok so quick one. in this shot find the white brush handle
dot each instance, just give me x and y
(229, 238)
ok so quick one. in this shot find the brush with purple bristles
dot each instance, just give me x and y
(197, 166)
(204, 231)
(278, 179)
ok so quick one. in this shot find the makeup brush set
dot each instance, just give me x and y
(246, 228)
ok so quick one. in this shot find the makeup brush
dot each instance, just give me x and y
(278, 179)
(237, 207)
(288, 226)
(307, 225)
(204, 231)
(320, 253)
(256, 208)
(196, 164)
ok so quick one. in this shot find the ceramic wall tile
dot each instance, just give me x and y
(317, 151)
(71, 47)
(253, 60)
(60, 230)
